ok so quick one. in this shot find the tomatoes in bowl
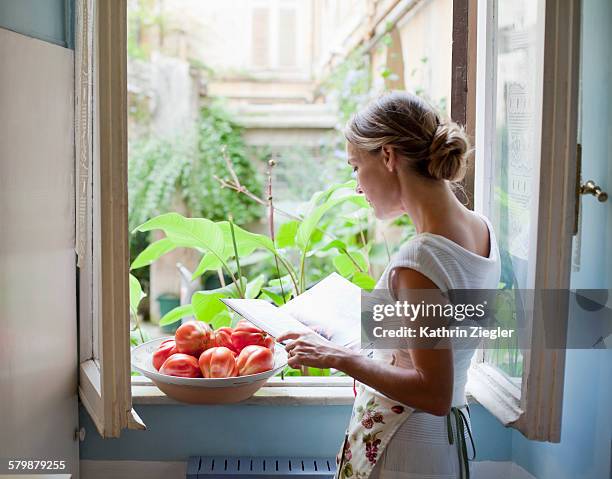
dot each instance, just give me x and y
(166, 349)
(254, 359)
(218, 362)
(222, 353)
(182, 365)
(223, 337)
(194, 337)
(247, 334)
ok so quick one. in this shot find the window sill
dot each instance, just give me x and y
(291, 391)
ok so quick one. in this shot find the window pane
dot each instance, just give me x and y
(260, 45)
(287, 33)
(516, 157)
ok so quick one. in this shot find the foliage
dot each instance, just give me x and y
(137, 334)
(224, 246)
(349, 84)
(144, 18)
(219, 135)
(187, 164)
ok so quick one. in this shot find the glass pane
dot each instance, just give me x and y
(516, 157)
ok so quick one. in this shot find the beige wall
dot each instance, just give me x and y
(221, 34)
(426, 33)
(38, 319)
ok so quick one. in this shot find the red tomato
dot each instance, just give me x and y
(223, 337)
(218, 362)
(269, 343)
(182, 365)
(247, 334)
(254, 359)
(193, 337)
(166, 348)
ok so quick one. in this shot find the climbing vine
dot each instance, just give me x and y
(187, 164)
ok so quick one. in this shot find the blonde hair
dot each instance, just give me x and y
(433, 148)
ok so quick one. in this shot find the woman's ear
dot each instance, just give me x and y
(389, 157)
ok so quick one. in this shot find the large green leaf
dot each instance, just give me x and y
(246, 242)
(221, 319)
(206, 305)
(136, 294)
(323, 196)
(364, 281)
(199, 233)
(308, 226)
(274, 293)
(152, 253)
(338, 244)
(285, 237)
(176, 314)
(254, 286)
(346, 266)
(208, 262)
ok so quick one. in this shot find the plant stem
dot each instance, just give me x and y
(353, 260)
(292, 273)
(240, 290)
(137, 321)
(271, 164)
(221, 277)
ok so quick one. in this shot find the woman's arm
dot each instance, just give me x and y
(427, 386)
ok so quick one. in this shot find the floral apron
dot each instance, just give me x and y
(374, 420)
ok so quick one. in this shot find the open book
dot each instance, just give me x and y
(331, 308)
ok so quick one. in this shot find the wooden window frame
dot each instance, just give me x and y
(106, 387)
(101, 147)
(535, 406)
(102, 228)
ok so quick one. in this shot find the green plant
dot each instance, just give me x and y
(349, 84)
(187, 164)
(137, 334)
(224, 245)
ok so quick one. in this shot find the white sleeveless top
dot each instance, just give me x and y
(449, 266)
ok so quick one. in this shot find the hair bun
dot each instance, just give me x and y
(447, 153)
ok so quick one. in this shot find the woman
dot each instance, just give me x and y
(410, 418)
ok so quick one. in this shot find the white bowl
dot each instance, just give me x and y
(203, 390)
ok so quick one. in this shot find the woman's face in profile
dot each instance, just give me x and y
(374, 180)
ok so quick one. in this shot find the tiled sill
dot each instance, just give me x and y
(291, 391)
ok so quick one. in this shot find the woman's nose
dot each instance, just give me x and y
(358, 189)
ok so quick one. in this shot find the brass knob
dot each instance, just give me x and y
(590, 188)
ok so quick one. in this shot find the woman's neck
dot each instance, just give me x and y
(431, 205)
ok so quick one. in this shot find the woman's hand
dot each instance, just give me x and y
(308, 349)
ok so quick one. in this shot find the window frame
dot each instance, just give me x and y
(273, 54)
(102, 231)
(101, 151)
(534, 407)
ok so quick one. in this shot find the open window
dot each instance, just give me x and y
(525, 181)
(102, 241)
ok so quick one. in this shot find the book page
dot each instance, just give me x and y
(332, 307)
(266, 316)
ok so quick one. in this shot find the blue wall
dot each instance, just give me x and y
(176, 432)
(584, 450)
(48, 20)
(586, 436)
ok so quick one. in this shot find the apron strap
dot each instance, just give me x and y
(461, 425)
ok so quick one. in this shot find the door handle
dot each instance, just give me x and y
(590, 188)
